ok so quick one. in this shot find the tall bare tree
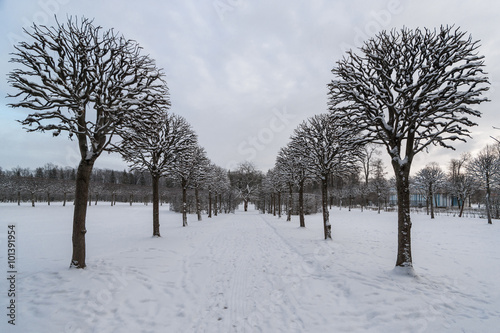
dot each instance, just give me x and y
(188, 169)
(155, 146)
(293, 164)
(486, 168)
(460, 182)
(430, 179)
(246, 180)
(407, 90)
(88, 82)
(328, 146)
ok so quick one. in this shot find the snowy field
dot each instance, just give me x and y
(248, 272)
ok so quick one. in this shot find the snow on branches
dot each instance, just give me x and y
(83, 80)
(409, 89)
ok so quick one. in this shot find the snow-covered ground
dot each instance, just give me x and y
(248, 272)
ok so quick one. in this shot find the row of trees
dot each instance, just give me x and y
(405, 90)
(99, 88)
(466, 177)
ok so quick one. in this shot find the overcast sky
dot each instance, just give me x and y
(244, 73)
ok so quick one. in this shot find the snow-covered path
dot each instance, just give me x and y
(249, 272)
(245, 266)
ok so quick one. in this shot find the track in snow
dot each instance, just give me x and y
(237, 278)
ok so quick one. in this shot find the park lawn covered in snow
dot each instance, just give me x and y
(249, 272)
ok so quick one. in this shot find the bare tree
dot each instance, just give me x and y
(247, 180)
(188, 170)
(430, 179)
(155, 146)
(292, 164)
(460, 182)
(486, 168)
(217, 182)
(408, 90)
(87, 82)
(328, 146)
(378, 182)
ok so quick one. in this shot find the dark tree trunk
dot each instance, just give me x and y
(32, 199)
(131, 198)
(273, 196)
(279, 204)
(209, 204)
(81, 196)
(363, 203)
(488, 197)
(324, 204)
(290, 202)
(220, 203)
(245, 204)
(184, 203)
(156, 204)
(431, 200)
(48, 199)
(378, 203)
(402, 173)
(19, 198)
(198, 204)
(215, 204)
(64, 202)
(301, 205)
(461, 204)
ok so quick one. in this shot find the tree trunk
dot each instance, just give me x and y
(19, 198)
(48, 199)
(279, 204)
(488, 196)
(290, 202)
(245, 204)
(81, 196)
(198, 204)
(378, 203)
(209, 204)
(156, 208)
(324, 203)
(301, 205)
(431, 197)
(461, 205)
(273, 196)
(215, 204)
(64, 202)
(363, 203)
(404, 222)
(220, 203)
(32, 199)
(184, 203)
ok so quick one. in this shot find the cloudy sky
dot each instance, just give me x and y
(244, 73)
